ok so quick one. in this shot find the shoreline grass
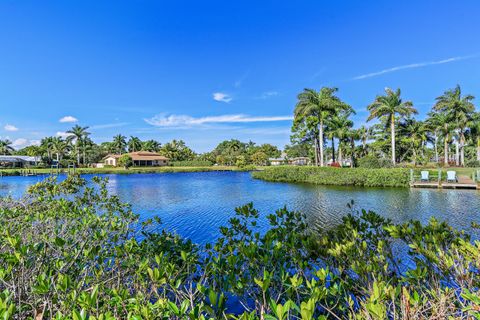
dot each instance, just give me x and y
(120, 170)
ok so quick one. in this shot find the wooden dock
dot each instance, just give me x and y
(463, 182)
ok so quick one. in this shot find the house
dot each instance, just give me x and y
(277, 161)
(19, 161)
(299, 161)
(139, 158)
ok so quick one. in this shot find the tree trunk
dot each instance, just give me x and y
(316, 151)
(457, 153)
(414, 156)
(352, 160)
(436, 147)
(333, 150)
(478, 148)
(320, 138)
(78, 154)
(445, 150)
(462, 149)
(392, 129)
(340, 156)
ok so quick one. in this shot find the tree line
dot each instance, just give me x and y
(79, 148)
(450, 134)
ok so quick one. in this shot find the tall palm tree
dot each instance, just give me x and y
(59, 147)
(391, 106)
(365, 133)
(119, 143)
(340, 127)
(77, 134)
(475, 132)
(134, 144)
(46, 145)
(460, 108)
(319, 104)
(442, 124)
(415, 133)
(6, 147)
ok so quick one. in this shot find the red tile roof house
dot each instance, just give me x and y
(140, 159)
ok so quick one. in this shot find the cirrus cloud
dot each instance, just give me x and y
(68, 119)
(173, 120)
(10, 127)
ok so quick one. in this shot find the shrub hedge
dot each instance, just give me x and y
(392, 177)
(191, 163)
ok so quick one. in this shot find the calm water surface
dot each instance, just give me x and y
(195, 205)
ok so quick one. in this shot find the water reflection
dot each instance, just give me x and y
(196, 204)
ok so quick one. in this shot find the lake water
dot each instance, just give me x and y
(195, 205)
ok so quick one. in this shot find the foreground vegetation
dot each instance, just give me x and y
(71, 251)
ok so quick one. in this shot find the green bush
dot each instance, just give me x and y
(192, 163)
(394, 177)
(72, 251)
(472, 163)
(373, 162)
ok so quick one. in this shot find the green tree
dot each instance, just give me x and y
(76, 136)
(177, 150)
(60, 148)
(119, 143)
(151, 145)
(6, 146)
(125, 161)
(321, 105)
(391, 106)
(460, 109)
(259, 158)
(442, 126)
(134, 144)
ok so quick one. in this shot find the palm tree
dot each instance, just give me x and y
(460, 109)
(416, 134)
(119, 143)
(319, 104)
(59, 147)
(475, 132)
(390, 106)
(46, 145)
(365, 133)
(443, 126)
(77, 133)
(134, 144)
(151, 145)
(340, 127)
(6, 147)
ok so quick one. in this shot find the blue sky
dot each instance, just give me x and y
(204, 71)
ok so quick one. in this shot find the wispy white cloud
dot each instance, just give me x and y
(173, 120)
(68, 119)
(10, 127)
(412, 66)
(239, 82)
(108, 125)
(222, 97)
(268, 94)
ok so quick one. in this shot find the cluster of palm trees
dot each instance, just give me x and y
(321, 116)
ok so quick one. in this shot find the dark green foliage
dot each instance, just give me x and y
(71, 251)
(373, 162)
(191, 163)
(397, 177)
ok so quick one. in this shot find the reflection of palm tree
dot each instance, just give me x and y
(460, 109)
(391, 105)
(319, 104)
(6, 147)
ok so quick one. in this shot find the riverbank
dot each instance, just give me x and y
(117, 170)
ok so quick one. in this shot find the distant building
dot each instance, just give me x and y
(277, 161)
(19, 161)
(140, 159)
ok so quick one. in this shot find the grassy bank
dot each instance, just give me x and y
(116, 170)
(337, 176)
